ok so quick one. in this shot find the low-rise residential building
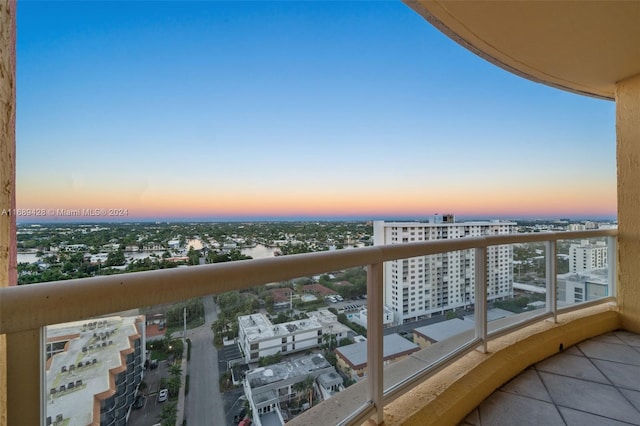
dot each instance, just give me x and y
(73, 247)
(267, 387)
(281, 297)
(360, 317)
(318, 290)
(259, 337)
(93, 370)
(330, 323)
(96, 258)
(576, 227)
(352, 359)
(430, 334)
(583, 286)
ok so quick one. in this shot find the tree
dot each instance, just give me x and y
(173, 385)
(168, 415)
(345, 341)
(175, 369)
(115, 258)
(304, 387)
(194, 256)
(269, 359)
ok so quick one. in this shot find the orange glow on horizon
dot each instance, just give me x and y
(461, 198)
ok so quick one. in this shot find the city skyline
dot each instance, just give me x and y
(248, 110)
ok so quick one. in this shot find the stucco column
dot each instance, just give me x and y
(7, 171)
(628, 159)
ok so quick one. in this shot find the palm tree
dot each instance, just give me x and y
(175, 369)
(303, 387)
(169, 415)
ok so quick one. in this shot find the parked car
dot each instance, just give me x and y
(163, 395)
(139, 402)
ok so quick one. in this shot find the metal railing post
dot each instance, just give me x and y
(375, 338)
(612, 265)
(551, 279)
(481, 296)
(25, 378)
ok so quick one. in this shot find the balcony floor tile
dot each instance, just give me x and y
(591, 397)
(528, 384)
(504, 408)
(596, 382)
(572, 366)
(580, 418)
(621, 375)
(610, 352)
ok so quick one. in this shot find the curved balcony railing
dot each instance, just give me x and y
(26, 310)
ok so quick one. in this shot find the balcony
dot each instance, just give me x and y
(585, 47)
(473, 357)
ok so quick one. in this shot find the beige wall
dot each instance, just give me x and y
(421, 341)
(346, 368)
(7, 171)
(628, 160)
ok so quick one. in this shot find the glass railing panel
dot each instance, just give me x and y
(516, 284)
(432, 301)
(232, 348)
(582, 271)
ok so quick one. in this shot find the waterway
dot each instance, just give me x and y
(259, 251)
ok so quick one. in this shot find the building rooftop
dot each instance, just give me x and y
(492, 315)
(328, 319)
(289, 369)
(318, 289)
(394, 346)
(445, 329)
(83, 369)
(258, 326)
(597, 276)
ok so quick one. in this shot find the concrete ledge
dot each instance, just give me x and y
(448, 396)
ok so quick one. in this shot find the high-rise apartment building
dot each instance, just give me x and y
(417, 287)
(587, 256)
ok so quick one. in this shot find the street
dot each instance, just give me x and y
(204, 403)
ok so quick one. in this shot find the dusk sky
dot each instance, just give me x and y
(215, 110)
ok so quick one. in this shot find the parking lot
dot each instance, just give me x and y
(148, 415)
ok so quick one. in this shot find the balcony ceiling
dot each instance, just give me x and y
(579, 46)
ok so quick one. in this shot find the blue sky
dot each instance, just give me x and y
(218, 109)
